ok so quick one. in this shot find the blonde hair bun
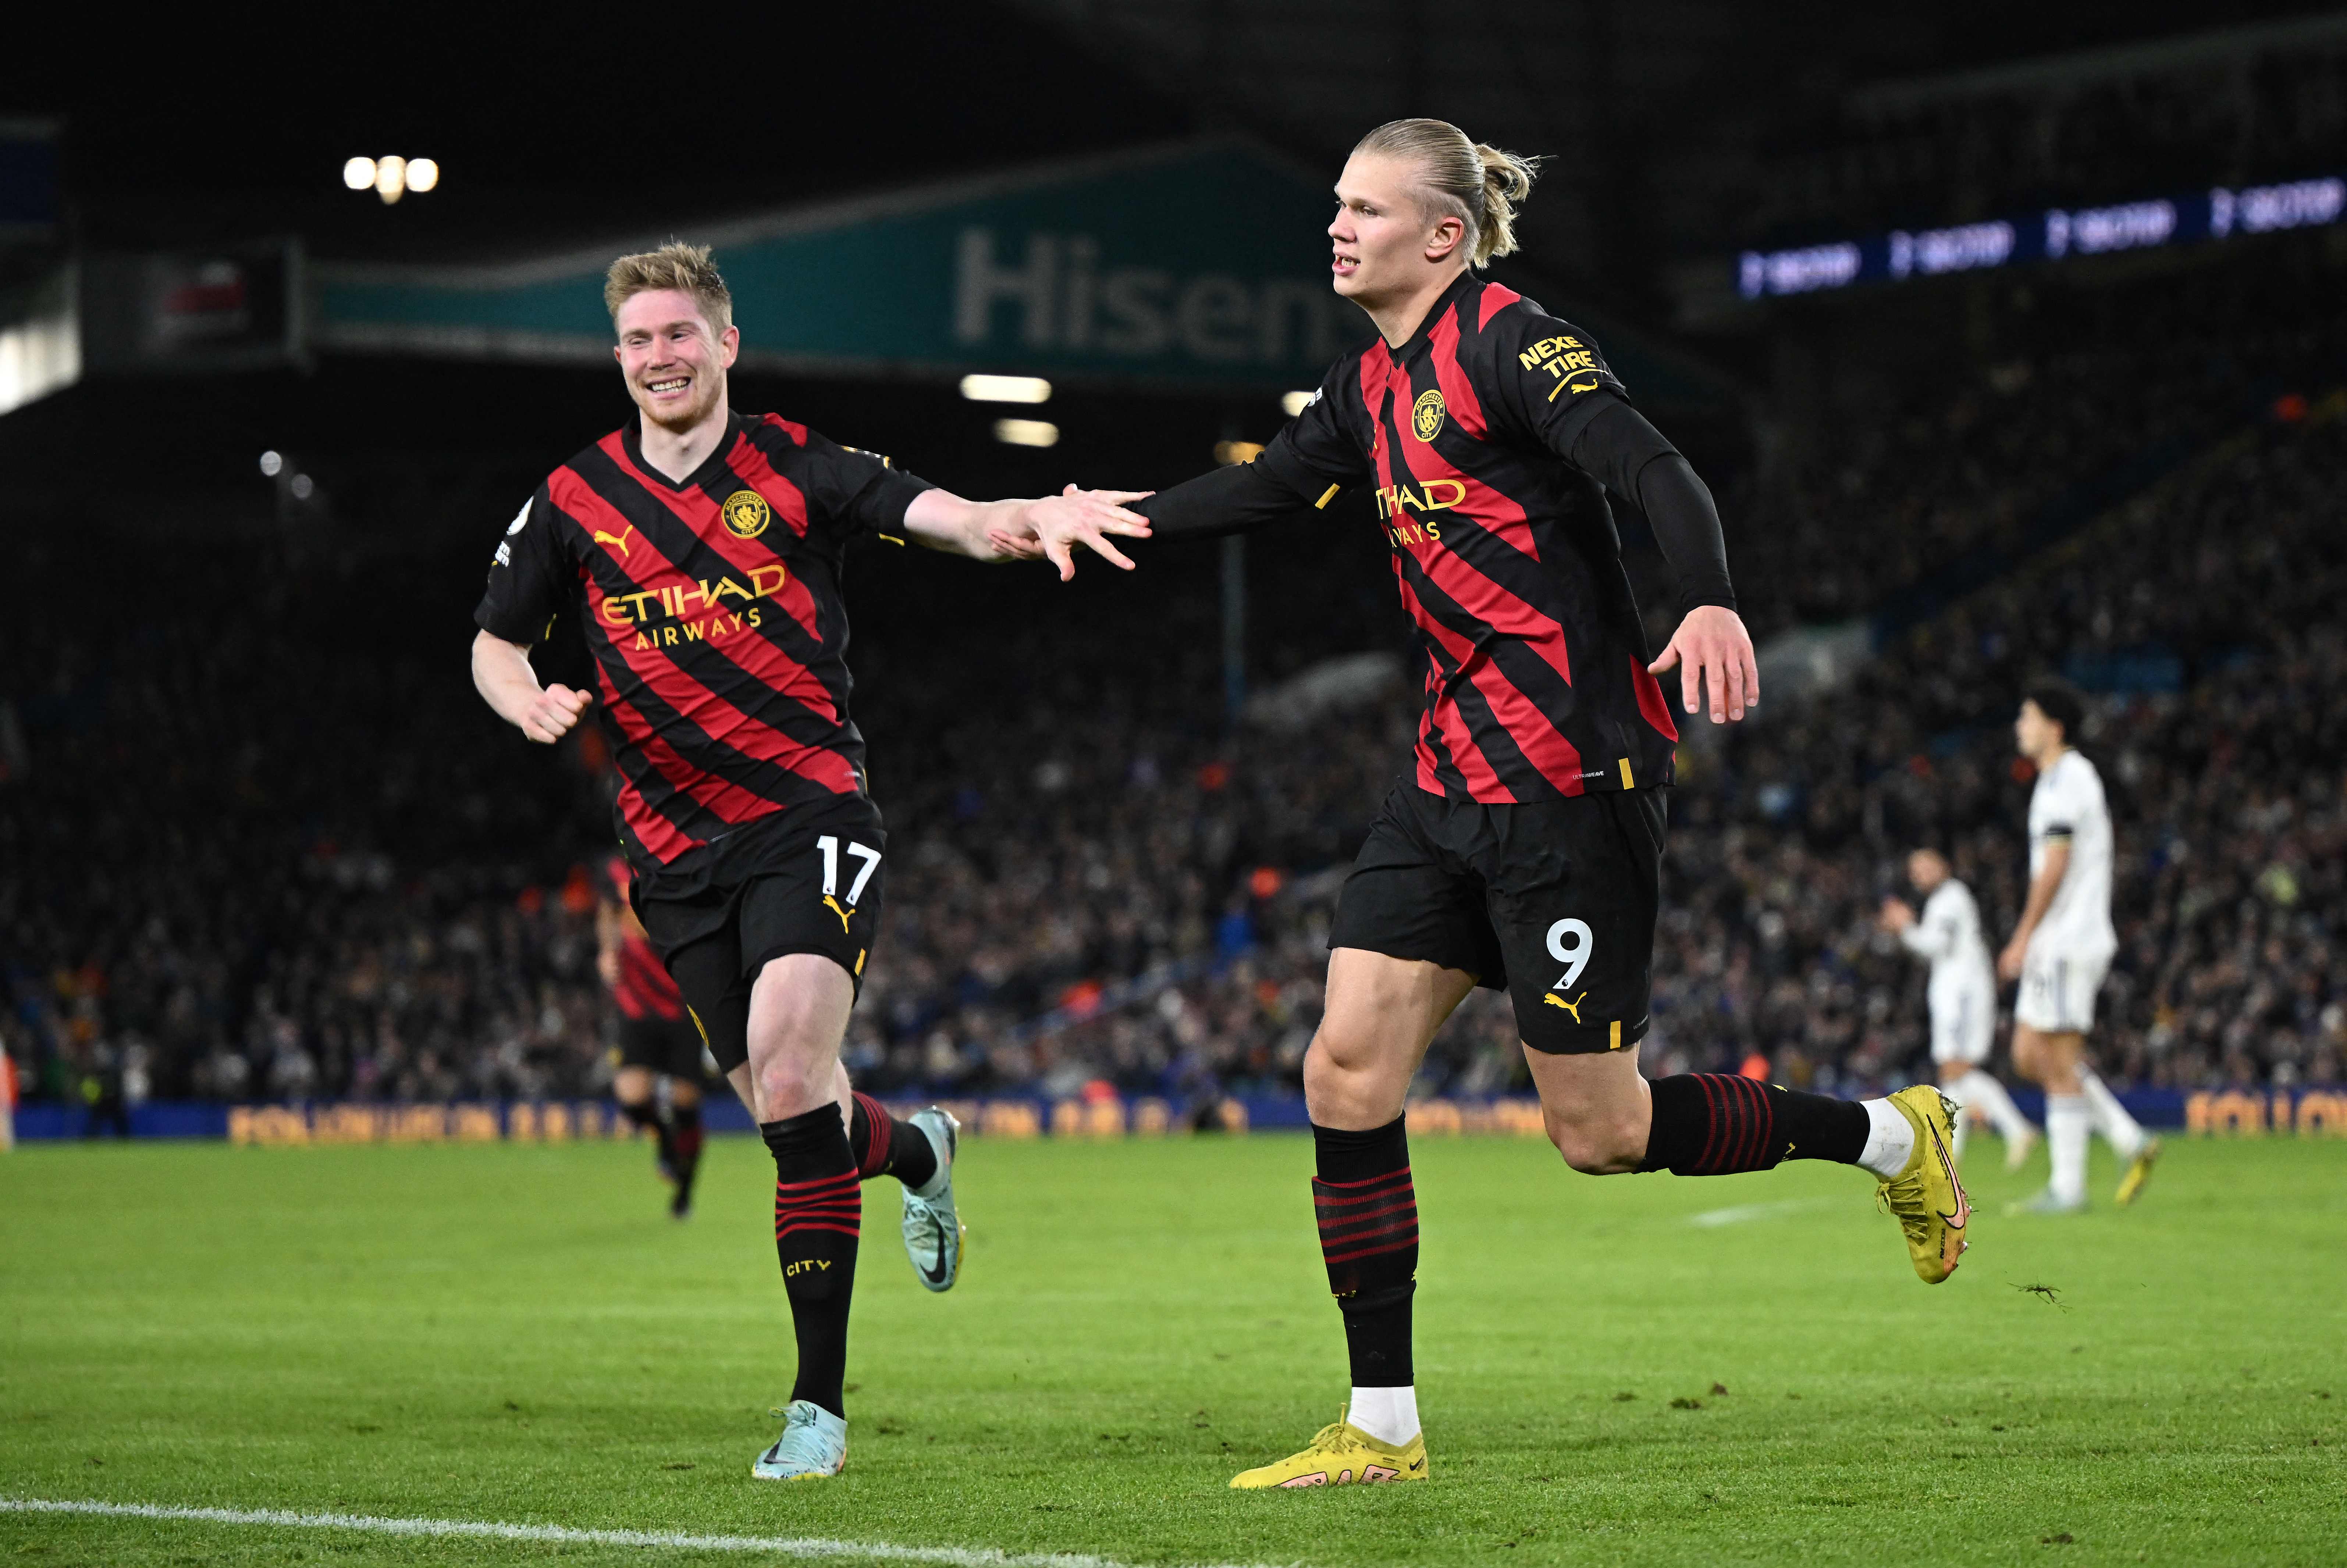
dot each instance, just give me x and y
(1479, 185)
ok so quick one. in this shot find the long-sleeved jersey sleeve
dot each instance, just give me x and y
(1555, 387)
(1312, 459)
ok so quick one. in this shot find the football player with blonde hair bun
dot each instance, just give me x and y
(1524, 850)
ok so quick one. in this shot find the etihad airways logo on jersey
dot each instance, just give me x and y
(1397, 502)
(706, 600)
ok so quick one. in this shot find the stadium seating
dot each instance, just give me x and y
(256, 868)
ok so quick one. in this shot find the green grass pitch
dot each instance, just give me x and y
(520, 1333)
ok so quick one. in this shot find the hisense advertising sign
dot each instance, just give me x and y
(1204, 263)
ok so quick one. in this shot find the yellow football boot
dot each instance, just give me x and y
(1925, 1196)
(2138, 1173)
(1341, 1455)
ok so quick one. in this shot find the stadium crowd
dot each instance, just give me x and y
(1932, 476)
(244, 867)
(2200, 117)
(2223, 760)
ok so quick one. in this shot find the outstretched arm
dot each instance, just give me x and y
(1312, 458)
(1049, 528)
(502, 674)
(1231, 500)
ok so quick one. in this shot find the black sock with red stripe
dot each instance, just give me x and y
(685, 1138)
(1715, 1123)
(818, 1216)
(1367, 1213)
(645, 1113)
(886, 1147)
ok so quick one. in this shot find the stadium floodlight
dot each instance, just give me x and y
(303, 486)
(272, 463)
(1027, 432)
(1006, 389)
(392, 177)
(1294, 402)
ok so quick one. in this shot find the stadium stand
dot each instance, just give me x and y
(1926, 474)
(2136, 118)
(253, 868)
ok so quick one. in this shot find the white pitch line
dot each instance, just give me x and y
(1743, 1211)
(814, 1547)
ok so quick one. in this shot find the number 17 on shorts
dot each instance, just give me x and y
(868, 861)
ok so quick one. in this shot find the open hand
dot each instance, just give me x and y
(1056, 524)
(557, 711)
(1711, 643)
(2008, 962)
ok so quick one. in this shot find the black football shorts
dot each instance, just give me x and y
(805, 880)
(665, 1045)
(1551, 901)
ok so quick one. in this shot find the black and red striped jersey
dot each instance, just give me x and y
(1506, 553)
(645, 988)
(712, 609)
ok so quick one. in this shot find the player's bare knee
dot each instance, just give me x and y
(2027, 1060)
(792, 1080)
(1597, 1146)
(1342, 1084)
(1594, 1154)
(1335, 1053)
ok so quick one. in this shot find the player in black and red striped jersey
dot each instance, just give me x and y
(703, 549)
(657, 1075)
(1524, 853)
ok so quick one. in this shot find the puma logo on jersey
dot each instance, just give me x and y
(1572, 1007)
(833, 904)
(620, 539)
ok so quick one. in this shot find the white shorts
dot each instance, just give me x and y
(1964, 1026)
(2057, 989)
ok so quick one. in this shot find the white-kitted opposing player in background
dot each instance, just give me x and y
(1961, 997)
(2062, 951)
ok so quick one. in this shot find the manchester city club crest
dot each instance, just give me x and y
(1426, 415)
(747, 513)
